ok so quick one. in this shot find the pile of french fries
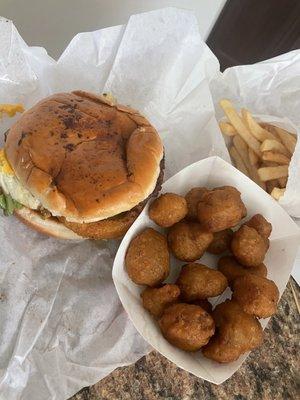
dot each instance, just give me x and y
(259, 150)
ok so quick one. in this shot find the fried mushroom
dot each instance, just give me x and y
(147, 259)
(261, 225)
(197, 281)
(168, 209)
(155, 300)
(221, 242)
(188, 240)
(256, 295)
(236, 333)
(186, 326)
(248, 246)
(232, 269)
(220, 209)
(192, 198)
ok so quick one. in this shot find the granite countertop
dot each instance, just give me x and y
(269, 373)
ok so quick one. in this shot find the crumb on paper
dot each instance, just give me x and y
(2, 297)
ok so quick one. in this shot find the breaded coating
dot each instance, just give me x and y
(192, 198)
(109, 228)
(168, 209)
(197, 281)
(186, 326)
(261, 225)
(204, 303)
(248, 246)
(236, 333)
(232, 269)
(256, 295)
(147, 259)
(221, 242)
(188, 240)
(220, 209)
(155, 300)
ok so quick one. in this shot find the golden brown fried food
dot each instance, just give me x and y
(204, 303)
(197, 281)
(192, 198)
(186, 326)
(248, 246)
(109, 228)
(237, 332)
(256, 295)
(147, 259)
(155, 300)
(232, 269)
(220, 209)
(168, 209)
(221, 242)
(261, 225)
(188, 240)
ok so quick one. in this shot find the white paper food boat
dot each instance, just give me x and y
(284, 242)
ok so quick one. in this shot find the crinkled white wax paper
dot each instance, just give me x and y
(62, 326)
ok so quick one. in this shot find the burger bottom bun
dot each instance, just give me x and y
(49, 226)
(110, 228)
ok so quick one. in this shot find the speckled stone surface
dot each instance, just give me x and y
(269, 373)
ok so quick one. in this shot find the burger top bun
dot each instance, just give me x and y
(84, 157)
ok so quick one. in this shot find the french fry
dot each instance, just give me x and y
(238, 162)
(270, 128)
(257, 131)
(269, 173)
(252, 157)
(276, 157)
(277, 193)
(255, 177)
(266, 126)
(282, 182)
(268, 164)
(227, 129)
(261, 151)
(242, 148)
(270, 185)
(274, 145)
(287, 139)
(240, 126)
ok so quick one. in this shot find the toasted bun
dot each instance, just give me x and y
(48, 226)
(85, 158)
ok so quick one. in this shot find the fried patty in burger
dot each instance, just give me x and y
(81, 166)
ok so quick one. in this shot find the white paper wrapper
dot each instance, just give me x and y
(58, 331)
(62, 325)
(284, 242)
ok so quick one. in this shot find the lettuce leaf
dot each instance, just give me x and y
(8, 204)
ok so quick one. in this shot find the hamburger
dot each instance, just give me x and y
(78, 165)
